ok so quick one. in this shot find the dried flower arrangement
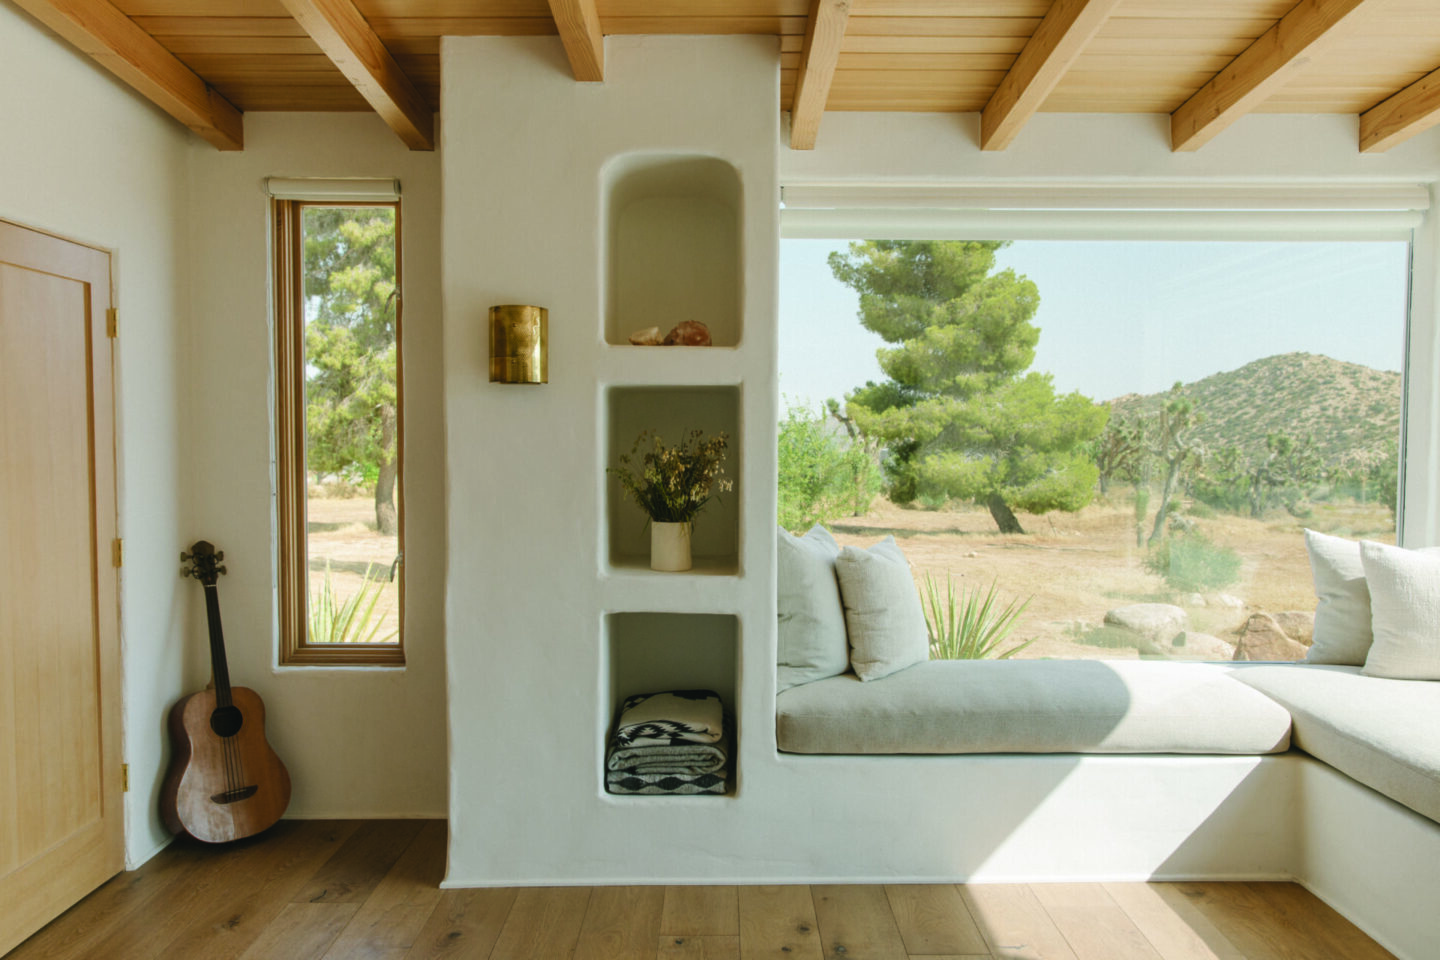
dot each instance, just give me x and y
(672, 484)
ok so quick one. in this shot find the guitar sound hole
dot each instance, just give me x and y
(226, 721)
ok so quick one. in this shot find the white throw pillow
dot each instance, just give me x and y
(1405, 605)
(882, 610)
(1342, 608)
(812, 643)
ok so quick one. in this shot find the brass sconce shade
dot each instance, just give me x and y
(519, 344)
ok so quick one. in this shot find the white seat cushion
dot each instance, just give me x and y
(1034, 706)
(1383, 733)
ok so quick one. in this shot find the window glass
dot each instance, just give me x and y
(1073, 430)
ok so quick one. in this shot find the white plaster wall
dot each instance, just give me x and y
(359, 742)
(83, 157)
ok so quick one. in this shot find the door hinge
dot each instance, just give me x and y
(112, 322)
(117, 552)
(124, 778)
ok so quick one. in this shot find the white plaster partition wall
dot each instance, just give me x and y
(525, 156)
(359, 742)
(84, 157)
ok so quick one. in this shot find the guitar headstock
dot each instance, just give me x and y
(203, 562)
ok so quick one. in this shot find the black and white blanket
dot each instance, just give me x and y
(669, 719)
(660, 784)
(688, 759)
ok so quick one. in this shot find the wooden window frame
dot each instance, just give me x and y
(292, 556)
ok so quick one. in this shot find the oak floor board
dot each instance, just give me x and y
(464, 925)
(934, 920)
(1262, 929)
(855, 921)
(1295, 907)
(621, 923)
(700, 911)
(698, 948)
(1014, 924)
(544, 924)
(1172, 925)
(390, 920)
(302, 931)
(231, 922)
(778, 923)
(1094, 924)
(357, 868)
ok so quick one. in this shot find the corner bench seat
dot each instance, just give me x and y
(1034, 706)
(1383, 733)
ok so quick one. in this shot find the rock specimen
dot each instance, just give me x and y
(1154, 622)
(689, 333)
(649, 337)
(1262, 639)
(1299, 625)
(1200, 646)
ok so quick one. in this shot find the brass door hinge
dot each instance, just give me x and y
(117, 552)
(124, 778)
(112, 322)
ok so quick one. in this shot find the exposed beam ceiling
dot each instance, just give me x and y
(340, 30)
(1261, 69)
(579, 24)
(100, 30)
(824, 34)
(1410, 111)
(1057, 42)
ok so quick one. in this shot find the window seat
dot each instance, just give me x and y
(1034, 706)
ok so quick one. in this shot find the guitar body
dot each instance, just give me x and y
(224, 782)
(207, 792)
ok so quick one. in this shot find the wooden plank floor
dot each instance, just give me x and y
(345, 890)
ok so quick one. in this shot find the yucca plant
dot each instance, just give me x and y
(353, 621)
(966, 625)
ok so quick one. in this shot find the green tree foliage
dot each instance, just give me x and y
(959, 416)
(350, 352)
(822, 475)
(1119, 451)
(1283, 472)
(1177, 446)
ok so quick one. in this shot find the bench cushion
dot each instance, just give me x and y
(1034, 706)
(1383, 733)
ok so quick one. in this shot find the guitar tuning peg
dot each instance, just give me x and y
(220, 555)
(222, 570)
(184, 557)
(184, 573)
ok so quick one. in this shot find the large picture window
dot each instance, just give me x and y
(339, 432)
(1119, 442)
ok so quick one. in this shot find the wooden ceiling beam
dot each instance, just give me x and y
(100, 30)
(1410, 111)
(347, 39)
(1260, 69)
(1057, 42)
(824, 33)
(579, 24)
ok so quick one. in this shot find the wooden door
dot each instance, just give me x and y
(61, 824)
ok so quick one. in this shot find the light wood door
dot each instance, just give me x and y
(61, 824)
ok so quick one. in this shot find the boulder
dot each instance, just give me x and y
(1229, 601)
(1262, 639)
(689, 333)
(1190, 645)
(1154, 622)
(1299, 625)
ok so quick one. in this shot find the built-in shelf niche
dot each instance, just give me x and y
(672, 246)
(673, 412)
(655, 652)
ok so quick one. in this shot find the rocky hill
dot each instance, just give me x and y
(1348, 408)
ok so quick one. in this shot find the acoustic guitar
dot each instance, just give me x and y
(225, 782)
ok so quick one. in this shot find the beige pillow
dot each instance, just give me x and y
(1405, 612)
(1342, 601)
(811, 643)
(882, 610)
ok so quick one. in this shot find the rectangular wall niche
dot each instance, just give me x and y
(654, 652)
(672, 245)
(673, 412)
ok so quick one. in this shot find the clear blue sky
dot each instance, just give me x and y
(1131, 317)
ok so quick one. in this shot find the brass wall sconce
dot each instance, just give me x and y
(519, 344)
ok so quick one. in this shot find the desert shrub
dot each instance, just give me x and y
(1200, 510)
(823, 475)
(966, 625)
(350, 621)
(1191, 563)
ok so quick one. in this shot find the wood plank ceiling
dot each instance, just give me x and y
(1204, 62)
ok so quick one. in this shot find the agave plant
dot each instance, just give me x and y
(966, 625)
(355, 620)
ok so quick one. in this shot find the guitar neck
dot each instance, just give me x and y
(217, 646)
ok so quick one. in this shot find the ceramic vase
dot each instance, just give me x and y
(669, 546)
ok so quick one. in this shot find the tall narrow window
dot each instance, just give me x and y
(339, 434)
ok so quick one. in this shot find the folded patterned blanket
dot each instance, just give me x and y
(625, 781)
(663, 719)
(689, 759)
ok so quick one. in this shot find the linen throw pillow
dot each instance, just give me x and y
(1342, 608)
(812, 642)
(1405, 605)
(882, 610)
